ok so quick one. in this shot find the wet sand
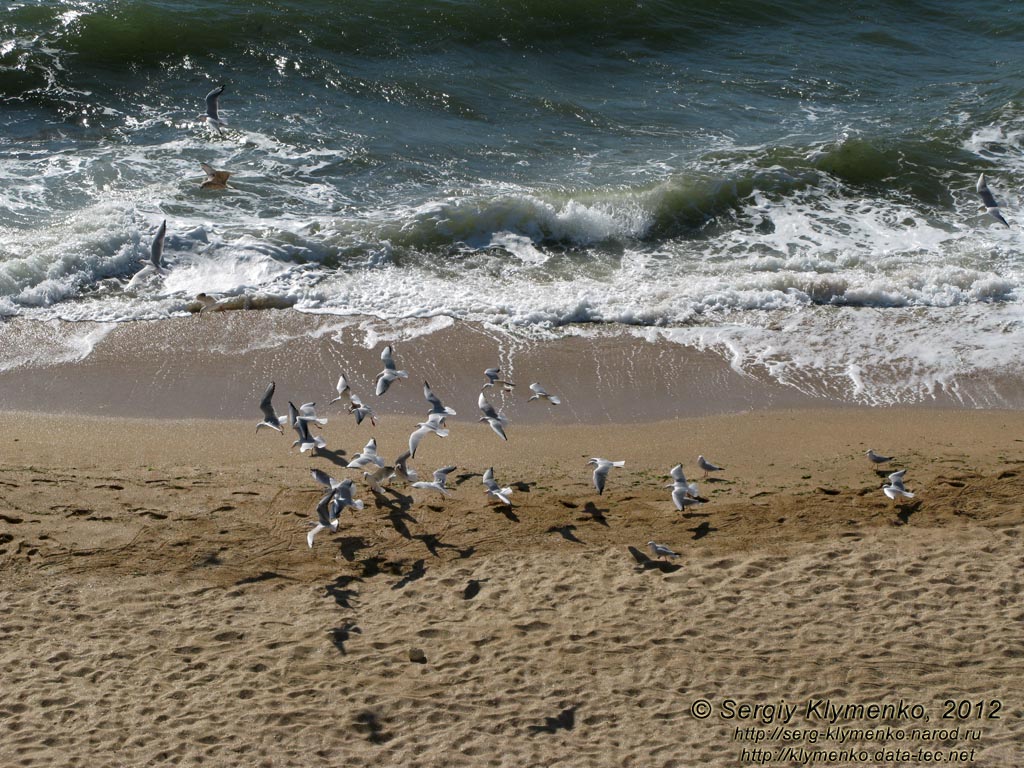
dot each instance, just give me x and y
(160, 606)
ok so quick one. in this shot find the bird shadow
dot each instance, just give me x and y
(521, 486)
(506, 510)
(648, 564)
(340, 591)
(340, 635)
(595, 514)
(349, 546)
(460, 479)
(398, 518)
(472, 588)
(418, 571)
(337, 458)
(566, 532)
(906, 510)
(433, 543)
(702, 530)
(369, 723)
(564, 721)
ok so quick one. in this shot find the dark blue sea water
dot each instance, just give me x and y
(791, 183)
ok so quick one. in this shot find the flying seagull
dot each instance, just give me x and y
(212, 118)
(895, 488)
(435, 402)
(390, 372)
(368, 456)
(684, 494)
(492, 375)
(496, 421)
(360, 411)
(493, 489)
(156, 250)
(403, 470)
(707, 466)
(540, 394)
(989, 201)
(270, 417)
(432, 424)
(300, 424)
(440, 476)
(331, 505)
(342, 387)
(602, 466)
(214, 179)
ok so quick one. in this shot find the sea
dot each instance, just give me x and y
(790, 185)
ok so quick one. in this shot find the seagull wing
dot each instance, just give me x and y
(600, 475)
(441, 475)
(416, 438)
(157, 248)
(212, 101)
(486, 407)
(267, 406)
(387, 355)
(985, 193)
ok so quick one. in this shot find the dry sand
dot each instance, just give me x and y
(160, 606)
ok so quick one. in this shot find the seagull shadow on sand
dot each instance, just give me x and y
(340, 591)
(595, 514)
(398, 519)
(472, 588)
(433, 543)
(522, 487)
(369, 723)
(702, 530)
(349, 546)
(335, 457)
(342, 634)
(906, 510)
(566, 532)
(648, 564)
(460, 479)
(506, 510)
(418, 571)
(564, 721)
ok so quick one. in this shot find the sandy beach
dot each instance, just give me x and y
(161, 607)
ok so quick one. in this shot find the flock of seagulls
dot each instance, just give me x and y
(376, 473)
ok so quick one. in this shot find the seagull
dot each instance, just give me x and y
(368, 456)
(214, 179)
(660, 550)
(435, 402)
(707, 466)
(601, 471)
(402, 469)
(331, 505)
(374, 479)
(683, 494)
(874, 458)
(541, 394)
(211, 116)
(361, 411)
(432, 424)
(270, 417)
(156, 250)
(307, 411)
(895, 488)
(989, 201)
(342, 387)
(324, 479)
(492, 375)
(492, 417)
(502, 494)
(390, 373)
(299, 423)
(440, 475)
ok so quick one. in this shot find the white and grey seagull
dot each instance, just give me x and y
(360, 411)
(496, 421)
(432, 424)
(212, 116)
(435, 402)
(440, 477)
(895, 489)
(601, 468)
(539, 393)
(368, 456)
(684, 494)
(270, 417)
(374, 479)
(660, 550)
(875, 458)
(403, 470)
(493, 489)
(156, 251)
(707, 466)
(300, 424)
(307, 411)
(989, 201)
(331, 505)
(390, 372)
(492, 375)
(342, 387)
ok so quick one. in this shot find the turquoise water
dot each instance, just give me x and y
(714, 172)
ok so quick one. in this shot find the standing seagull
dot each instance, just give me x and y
(540, 394)
(390, 372)
(660, 550)
(989, 201)
(874, 458)
(895, 487)
(214, 179)
(707, 466)
(440, 476)
(683, 494)
(212, 118)
(493, 489)
(492, 417)
(270, 417)
(601, 471)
